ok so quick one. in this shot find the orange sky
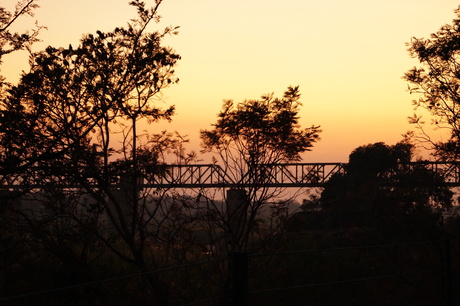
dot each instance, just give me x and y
(347, 56)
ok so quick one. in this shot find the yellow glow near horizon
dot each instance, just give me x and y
(347, 56)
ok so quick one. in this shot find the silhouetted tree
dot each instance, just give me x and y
(380, 188)
(57, 127)
(438, 81)
(246, 140)
(72, 98)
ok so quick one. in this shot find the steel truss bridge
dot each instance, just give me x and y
(268, 175)
(275, 175)
(282, 175)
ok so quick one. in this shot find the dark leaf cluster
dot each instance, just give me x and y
(437, 80)
(263, 131)
(11, 41)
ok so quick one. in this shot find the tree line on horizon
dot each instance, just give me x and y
(57, 127)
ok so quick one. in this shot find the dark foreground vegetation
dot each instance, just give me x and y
(412, 262)
(76, 228)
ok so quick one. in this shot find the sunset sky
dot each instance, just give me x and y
(348, 58)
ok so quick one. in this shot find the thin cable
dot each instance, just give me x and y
(42, 292)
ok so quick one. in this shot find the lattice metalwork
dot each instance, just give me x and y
(449, 171)
(189, 176)
(276, 175)
(281, 175)
(298, 175)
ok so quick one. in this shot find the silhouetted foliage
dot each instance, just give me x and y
(72, 97)
(10, 42)
(57, 129)
(379, 188)
(247, 138)
(438, 81)
(261, 131)
(13, 41)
